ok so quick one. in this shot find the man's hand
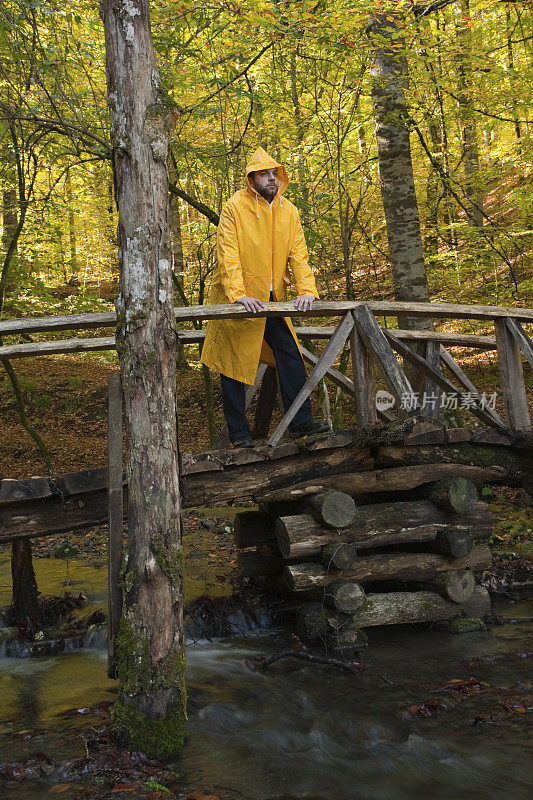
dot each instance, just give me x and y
(304, 302)
(251, 304)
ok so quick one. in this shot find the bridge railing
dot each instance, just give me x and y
(374, 349)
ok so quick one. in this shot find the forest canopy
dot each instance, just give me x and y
(295, 78)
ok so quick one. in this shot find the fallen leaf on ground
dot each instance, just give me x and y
(126, 787)
(201, 797)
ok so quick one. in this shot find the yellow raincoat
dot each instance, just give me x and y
(255, 244)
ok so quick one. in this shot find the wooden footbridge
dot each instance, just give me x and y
(416, 516)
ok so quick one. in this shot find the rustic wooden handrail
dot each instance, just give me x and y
(79, 345)
(358, 320)
(321, 308)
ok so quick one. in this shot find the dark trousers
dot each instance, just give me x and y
(291, 374)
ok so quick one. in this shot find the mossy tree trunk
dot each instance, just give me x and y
(150, 711)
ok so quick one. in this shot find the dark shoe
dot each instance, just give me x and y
(246, 442)
(309, 428)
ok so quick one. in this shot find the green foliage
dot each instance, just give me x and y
(296, 79)
(155, 786)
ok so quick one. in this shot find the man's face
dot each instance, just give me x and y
(266, 183)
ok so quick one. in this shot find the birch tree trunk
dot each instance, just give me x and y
(389, 73)
(150, 711)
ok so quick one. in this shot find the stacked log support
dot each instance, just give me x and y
(348, 566)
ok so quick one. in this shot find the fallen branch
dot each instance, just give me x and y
(265, 661)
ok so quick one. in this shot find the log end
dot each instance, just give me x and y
(333, 509)
(463, 495)
(459, 585)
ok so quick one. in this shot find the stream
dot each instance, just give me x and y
(298, 730)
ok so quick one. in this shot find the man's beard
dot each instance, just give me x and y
(265, 193)
(269, 194)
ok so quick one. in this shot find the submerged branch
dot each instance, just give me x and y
(265, 661)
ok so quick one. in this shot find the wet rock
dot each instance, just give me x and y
(66, 550)
(466, 625)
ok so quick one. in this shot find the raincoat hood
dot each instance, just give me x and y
(261, 160)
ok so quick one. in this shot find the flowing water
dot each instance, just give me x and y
(301, 730)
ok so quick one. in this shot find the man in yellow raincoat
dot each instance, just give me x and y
(259, 239)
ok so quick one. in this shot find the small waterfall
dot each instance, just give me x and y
(216, 618)
(96, 637)
(11, 646)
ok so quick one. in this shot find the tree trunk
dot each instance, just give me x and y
(452, 543)
(467, 117)
(71, 226)
(340, 556)
(389, 72)
(221, 486)
(150, 711)
(345, 596)
(347, 642)
(457, 585)
(25, 594)
(300, 136)
(291, 499)
(9, 226)
(510, 69)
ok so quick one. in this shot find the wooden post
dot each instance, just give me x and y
(512, 378)
(431, 408)
(478, 409)
(25, 593)
(364, 387)
(375, 340)
(115, 512)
